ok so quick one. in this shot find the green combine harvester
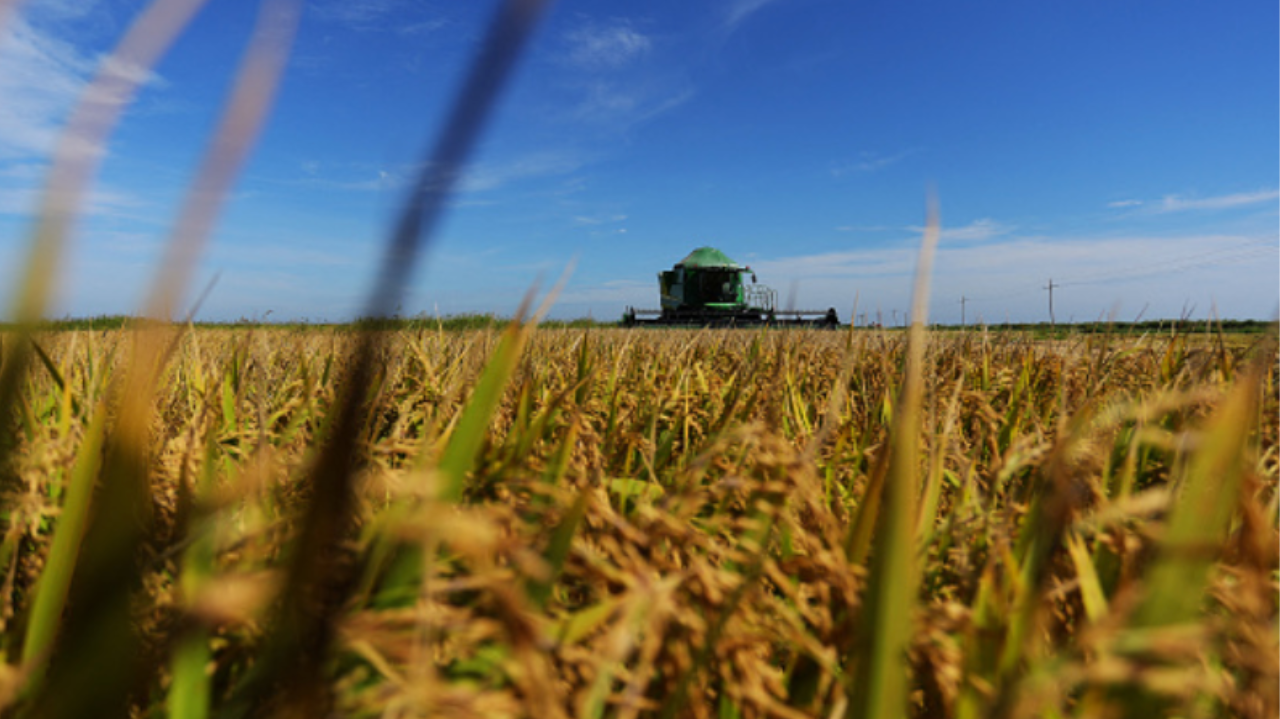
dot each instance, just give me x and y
(707, 289)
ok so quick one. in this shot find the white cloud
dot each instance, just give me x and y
(60, 10)
(863, 228)
(357, 14)
(625, 105)
(1175, 203)
(598, 219)
(605, 47)
(40, 78)
(617, 79)
(849, 264)
(978, 230)
(477, 177)
(983, 229)
(1066, 259)
(740, 10)
(22, 198)
(608, 296)
(871, 162)
(402, 17)
(25, 171)
(484, 177)
(1124, 203)
(1006, 276)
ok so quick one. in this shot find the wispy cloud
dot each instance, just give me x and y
(889, 262)
(740, 10)
(61, 10)
(593, 220)
(617, 76)
(356, 14)
(484, 177)
(400, 16)
(577, 300)
(863, 228)
(593, 46)
(20, 199)
(1124, 203)
(25, 171)
(871, 162)
(976, 231)
(622, 105)
(40, 78)
(1176, 203)
(363, 179)
(476, 178)
(1000, 276)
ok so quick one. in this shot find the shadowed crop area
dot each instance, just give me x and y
(642, 523)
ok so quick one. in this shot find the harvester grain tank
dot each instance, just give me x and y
(707, 288)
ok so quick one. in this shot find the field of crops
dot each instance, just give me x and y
(612, 523)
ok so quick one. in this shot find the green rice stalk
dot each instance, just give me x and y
(1202, 514)
(190, 691)
(51, 592)
(1091, 591)
(933, 483)
(98, 651)
(557, 551)
(1209, 496)
(473, 424)
(879, 689)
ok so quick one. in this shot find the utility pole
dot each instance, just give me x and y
(1052, 322)
(963, 299)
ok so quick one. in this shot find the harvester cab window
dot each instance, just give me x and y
(719, 285)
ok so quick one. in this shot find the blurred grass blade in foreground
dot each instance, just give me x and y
(880, 688)
(315, 588)
(80, 146)
(101, 652)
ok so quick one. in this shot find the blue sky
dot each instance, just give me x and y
(1126, 150)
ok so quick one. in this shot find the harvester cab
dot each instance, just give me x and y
(707, 288)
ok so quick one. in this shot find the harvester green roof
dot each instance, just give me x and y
(708, 257)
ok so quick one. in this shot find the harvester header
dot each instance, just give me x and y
(707, 288)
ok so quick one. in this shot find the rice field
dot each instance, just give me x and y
(403, 521)
(538, 522)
